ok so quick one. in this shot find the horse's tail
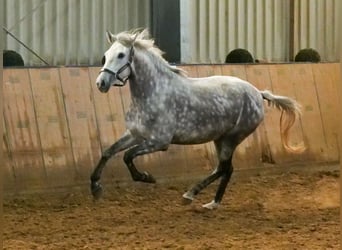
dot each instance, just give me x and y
(289, 110)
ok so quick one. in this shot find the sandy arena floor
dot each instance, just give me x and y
(289, 211)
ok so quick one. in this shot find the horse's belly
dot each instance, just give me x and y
(199, 135)
(189, 140)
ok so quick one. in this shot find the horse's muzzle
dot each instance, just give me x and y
(101, 85)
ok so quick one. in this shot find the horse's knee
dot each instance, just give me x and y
(224, 167)
(127, 158)
(107, 154)
(230, 170)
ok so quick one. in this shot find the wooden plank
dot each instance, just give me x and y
(52, 125)
(234, 70)
(273, 149)
(325, 77)
(8, 164)
(284, 79)
(9, 182)
(78, 98)
(191, 70)
(307, 95)
(259, 76)
(23, 138)
(94, 121)
(208, 70)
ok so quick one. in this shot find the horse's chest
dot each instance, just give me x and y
(135, 122)
(141, 123)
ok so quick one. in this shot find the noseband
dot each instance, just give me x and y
(123, 80)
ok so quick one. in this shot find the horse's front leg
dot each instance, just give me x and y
(126, 141)
(146, 147)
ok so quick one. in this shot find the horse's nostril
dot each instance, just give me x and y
(100, 84)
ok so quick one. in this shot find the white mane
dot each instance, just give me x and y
(140, 39)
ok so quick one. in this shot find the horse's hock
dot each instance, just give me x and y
(57, 123)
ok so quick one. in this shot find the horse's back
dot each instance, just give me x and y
(212, 106)
(223, 82)
(215, 78)
(228, 87)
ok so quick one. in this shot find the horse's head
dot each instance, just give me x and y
(116, 62)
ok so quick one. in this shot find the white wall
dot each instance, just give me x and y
(212, 28)
(66, 32)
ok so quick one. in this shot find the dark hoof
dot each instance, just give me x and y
(96, 190)
(186, 201)
(146, 177)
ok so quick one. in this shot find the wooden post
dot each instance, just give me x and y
(340, 106)
(165, 27)
(1, 127)
(291, 30)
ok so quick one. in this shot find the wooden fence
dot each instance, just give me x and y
(57, 123)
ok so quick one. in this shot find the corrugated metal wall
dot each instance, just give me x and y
(212, 28)
(316, 27)
(215, 27)
(70, 32)
(67, 32)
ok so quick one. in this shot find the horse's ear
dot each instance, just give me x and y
(110, 37)
(134, 38)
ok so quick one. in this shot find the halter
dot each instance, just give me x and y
(123, 80)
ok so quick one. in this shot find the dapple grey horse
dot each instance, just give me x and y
(167, 108)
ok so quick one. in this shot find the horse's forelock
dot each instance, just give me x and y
(143, 35)
(141, 39)
(138, 38)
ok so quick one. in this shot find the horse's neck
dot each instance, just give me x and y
(146, 77)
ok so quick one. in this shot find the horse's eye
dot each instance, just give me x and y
(103, 60)
(121, 55)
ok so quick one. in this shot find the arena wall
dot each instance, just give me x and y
(57, 124)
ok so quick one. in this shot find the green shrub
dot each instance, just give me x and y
(12, 58)
(239, 56)
(307, 55)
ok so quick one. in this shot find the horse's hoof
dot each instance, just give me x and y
(211, 205)
(148, 178)
(96, 190)
(187, 199)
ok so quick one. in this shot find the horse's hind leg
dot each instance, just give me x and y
(224, 169)
(222, 186)
(219, 171)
